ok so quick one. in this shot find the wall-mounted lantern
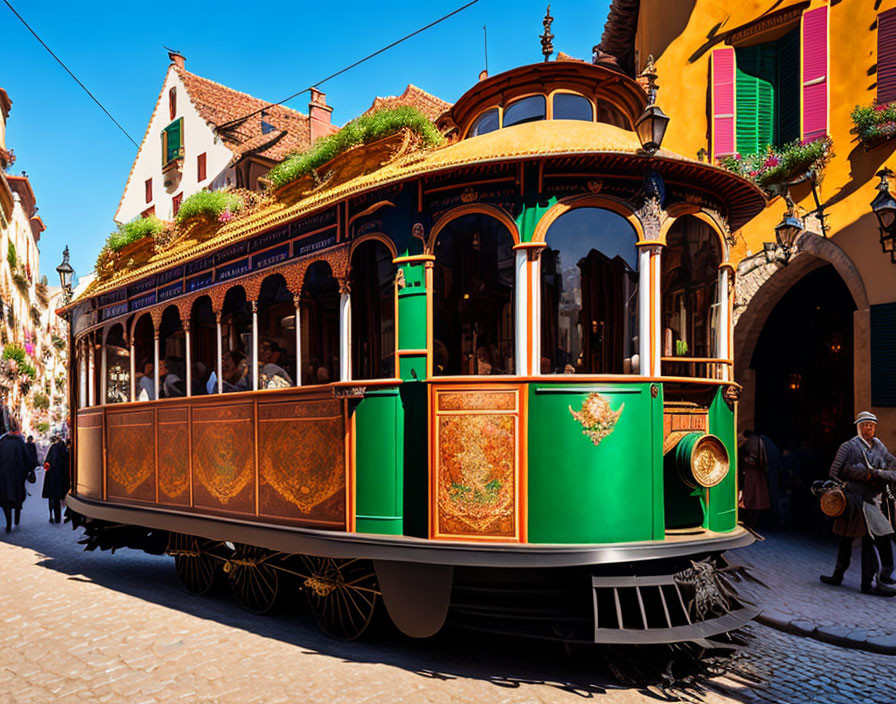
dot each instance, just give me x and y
(884, 207)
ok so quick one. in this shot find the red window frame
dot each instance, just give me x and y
(175, 203)
(148, 189)
(200, 167)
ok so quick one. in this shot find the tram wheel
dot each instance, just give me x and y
(196, 567)
(342, 595)
(253, 578)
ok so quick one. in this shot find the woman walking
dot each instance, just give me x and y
(56, 479)
(13, 470)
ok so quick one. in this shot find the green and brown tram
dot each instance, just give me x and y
(504, 398)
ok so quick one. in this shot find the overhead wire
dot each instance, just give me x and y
(237, 120)
(61, 63)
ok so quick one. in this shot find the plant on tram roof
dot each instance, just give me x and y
(134, 230)
(214, 203)
(775, 165)
(361, 130)
(14, 351)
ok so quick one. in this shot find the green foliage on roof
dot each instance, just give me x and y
(134, 230)
(213, 203)
(362, 130)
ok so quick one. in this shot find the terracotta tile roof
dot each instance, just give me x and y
(428, 104)
(218, 104)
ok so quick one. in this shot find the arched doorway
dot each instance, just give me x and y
(803, 366)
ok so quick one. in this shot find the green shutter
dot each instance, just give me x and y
(789, 87)
(172, 140)
(883, 352)
(755, 78)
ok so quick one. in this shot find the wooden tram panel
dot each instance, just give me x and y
(284, 457)
(477, 460)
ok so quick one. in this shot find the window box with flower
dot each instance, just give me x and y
(874, 124)
(782, 165)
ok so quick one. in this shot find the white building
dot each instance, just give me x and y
(199, 137)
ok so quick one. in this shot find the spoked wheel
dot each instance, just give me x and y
(342, 594)
(195, 565)
(254, 580)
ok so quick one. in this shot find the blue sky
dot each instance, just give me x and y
(78, 161)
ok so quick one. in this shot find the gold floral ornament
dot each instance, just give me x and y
(597, 418)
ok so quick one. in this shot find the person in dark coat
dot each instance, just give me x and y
(32, 452)
(56, 479)
(866, 466)
(13, 470)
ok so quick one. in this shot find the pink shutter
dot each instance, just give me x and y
(815, 73)
(886, 57)
(722, 102)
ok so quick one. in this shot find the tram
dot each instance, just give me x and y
(486, 384)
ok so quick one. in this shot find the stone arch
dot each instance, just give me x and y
(588, 200)
(761, 288)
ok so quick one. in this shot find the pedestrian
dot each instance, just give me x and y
(14, 458)
(753, 466)
(860, 463)
(32, 453)
(56, 478)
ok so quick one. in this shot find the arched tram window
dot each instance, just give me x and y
(117, 366)
(276, 334)
(373, 311)
(320, 325)
(589, 295)
(236, 342)
(473, 298)
(144, 358)
(692, 315)
(203, 346)
(172, 355)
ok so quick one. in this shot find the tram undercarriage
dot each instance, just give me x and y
(621, 594)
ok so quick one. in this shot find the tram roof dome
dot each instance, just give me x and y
(613, 151)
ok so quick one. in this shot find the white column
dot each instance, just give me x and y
(297, 302)
(254, 345)
(520, 315)
(218, 363)
(644, 311)
(189, 357)
(103, 367)
(656, 324)
(91, 372)
(535, 287)
(155, 364)
(345, 336)
(722, 332)
(133, 371)
(82, 374)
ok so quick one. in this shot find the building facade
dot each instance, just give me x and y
(813, 325)
(32, 337)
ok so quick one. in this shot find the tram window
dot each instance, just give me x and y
(373, 311)
(485, 123)
(276, 346)
(118, 366)
(473, 301)
(568, 106)
(144, 359)
(236, 341)
(320, 325)
(203, 347)
(691, 262)
(528, 109)
(589, 295)
(611, 115)
(172, 372)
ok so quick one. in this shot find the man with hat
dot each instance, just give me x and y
(861, 463)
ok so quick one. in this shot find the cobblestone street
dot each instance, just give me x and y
(94, 627)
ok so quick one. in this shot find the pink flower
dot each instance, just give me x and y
(754, 172)
(737, 156)
(880, 108)
(773, 160)
(29, 349)
(226, 216)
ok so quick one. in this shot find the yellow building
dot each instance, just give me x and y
(815, 335)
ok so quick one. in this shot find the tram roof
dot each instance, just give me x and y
(614, 151)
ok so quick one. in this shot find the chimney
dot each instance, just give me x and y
(319, 115)
(177, 59)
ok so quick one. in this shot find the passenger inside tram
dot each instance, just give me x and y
(170, 380)
(146, 388)
(272, 375)
(234, 371)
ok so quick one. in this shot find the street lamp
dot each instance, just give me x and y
(787, 231)
(65, 276)
(884, 207)
(652, 123)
